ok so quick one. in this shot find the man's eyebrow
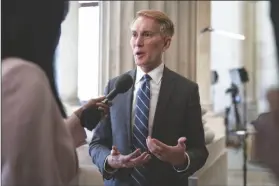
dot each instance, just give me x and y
(144, 31)
(149, 31)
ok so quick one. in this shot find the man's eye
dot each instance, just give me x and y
(147, 34)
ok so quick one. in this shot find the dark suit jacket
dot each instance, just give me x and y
(178, 114)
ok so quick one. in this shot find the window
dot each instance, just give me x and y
(88, 50)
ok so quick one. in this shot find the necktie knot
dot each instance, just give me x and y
(146, 77)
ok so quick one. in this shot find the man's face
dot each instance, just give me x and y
(147, 43)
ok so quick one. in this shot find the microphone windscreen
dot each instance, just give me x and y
(123, 83)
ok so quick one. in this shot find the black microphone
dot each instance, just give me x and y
(123, 84)
(90, 117)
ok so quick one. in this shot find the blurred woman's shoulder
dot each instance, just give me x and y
(17, 66)
(33, 131)
(24, 76)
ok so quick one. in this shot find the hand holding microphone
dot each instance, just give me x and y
(93, 104)
(91, 113)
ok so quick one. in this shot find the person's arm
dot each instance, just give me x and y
(87, 116)
(101, 143)
(196, 150)
(37, 148)
(77, 131)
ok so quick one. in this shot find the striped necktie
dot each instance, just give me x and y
(140, 128)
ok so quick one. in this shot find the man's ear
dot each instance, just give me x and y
(167, 43)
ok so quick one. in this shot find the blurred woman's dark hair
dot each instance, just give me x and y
(30, 30)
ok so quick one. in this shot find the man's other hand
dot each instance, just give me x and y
(116, 160)
(175, 155)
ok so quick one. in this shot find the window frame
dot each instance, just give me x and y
(88, 4)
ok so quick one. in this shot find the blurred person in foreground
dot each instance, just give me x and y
(267, 124)
(38, 141)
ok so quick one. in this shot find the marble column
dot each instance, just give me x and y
(249, 54)
(67, 56)
(115, 52)
(203, 64)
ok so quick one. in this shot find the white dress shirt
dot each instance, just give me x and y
(155, 85)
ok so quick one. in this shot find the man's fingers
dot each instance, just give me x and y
(143, 158)
(158, 149)
(139, 158)
(152, 146)
(127, 158)
(114, 151)
(181, 142)
(134, 154)
(146, 158)
(159, 144)
(114, 148)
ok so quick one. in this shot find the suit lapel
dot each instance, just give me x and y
(167, 86)
(129, 101)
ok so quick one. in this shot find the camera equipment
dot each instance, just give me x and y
(214, 77)
(239, 77)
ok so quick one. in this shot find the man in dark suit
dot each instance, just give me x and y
(154, 133)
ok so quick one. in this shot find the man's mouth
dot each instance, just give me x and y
(139, 54)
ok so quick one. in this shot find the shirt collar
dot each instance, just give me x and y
(156, 74)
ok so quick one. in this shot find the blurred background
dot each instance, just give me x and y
(211, 39)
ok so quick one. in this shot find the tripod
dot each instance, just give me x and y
(241, 130)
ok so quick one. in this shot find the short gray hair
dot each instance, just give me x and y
(166, 24)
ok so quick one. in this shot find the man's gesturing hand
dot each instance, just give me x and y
(116, 160)
(174, 155)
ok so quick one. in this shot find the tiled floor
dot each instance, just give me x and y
(256, 175)
(254, 178)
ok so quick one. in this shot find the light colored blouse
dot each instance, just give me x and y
(38, 146)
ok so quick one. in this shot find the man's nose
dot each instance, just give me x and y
(139, 41)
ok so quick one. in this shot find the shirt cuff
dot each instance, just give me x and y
(183, 169)
(106, 169)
